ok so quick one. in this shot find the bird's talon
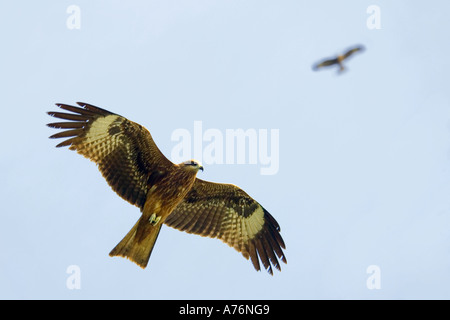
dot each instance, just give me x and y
(154, 219)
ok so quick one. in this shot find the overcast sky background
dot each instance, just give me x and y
(364, 174)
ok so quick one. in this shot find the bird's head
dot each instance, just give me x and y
(191, 165)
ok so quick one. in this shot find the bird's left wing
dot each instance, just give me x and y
(325, 63)
(124, 151)
(226, 212)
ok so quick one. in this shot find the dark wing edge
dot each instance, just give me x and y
(226, 212)
(80, 119)
(123, 150)
(266, 244)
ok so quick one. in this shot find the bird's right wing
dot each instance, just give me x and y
(352, 51)
(226, 212)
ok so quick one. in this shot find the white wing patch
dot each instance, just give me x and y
(240, 229)
(99, 141)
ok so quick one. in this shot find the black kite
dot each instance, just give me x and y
(337, 60)
(168, 193)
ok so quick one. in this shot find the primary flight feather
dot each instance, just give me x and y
(166, 193)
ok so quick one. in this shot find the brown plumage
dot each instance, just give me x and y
(168, 193)
(337, 60)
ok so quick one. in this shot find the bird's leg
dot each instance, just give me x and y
(154, 219)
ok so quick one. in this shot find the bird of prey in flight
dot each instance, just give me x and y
(338, 60)
(166, 193)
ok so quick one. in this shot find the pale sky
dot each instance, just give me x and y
(363, 173)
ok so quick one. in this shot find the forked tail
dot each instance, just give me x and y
(138, 244)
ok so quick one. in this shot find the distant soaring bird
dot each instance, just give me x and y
(168, 193)
(337, 60)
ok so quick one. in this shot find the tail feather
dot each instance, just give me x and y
(138, 244)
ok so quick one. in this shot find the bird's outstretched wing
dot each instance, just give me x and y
(226, 212)
(325, 63)
(124, 151)
(351, 51)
